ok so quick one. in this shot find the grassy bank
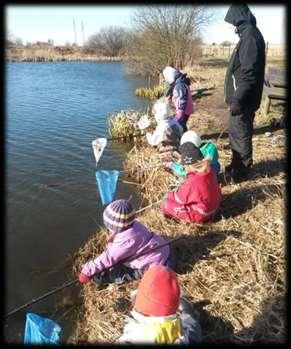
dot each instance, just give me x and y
(53, 54)
(232, 269)
(38, 53)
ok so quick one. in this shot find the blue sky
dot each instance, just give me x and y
(42, 22)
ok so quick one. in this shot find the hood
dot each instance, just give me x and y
(170, 74)
(238, 14)
(192, 137)
(161, 111)
(181, 77)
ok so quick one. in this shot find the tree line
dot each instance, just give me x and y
(159, 36)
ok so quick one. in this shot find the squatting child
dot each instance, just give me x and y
(198, 197)
(128, 237)
(168, 132)
(208, 150)
(159, 315)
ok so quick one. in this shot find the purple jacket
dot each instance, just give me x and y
(128, 243)
(182, 98)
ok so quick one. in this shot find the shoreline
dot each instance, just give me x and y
(57, 54)
(73, 59)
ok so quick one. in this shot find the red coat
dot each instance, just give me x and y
(196, 199)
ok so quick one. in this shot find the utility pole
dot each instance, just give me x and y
(75, 33)
(83, 33)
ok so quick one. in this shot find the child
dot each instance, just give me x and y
(155, 318)
(208, 149)
(180, 94)
(168, 131)
(198, 197)
(128, 238)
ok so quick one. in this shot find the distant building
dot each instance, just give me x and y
(42, 44)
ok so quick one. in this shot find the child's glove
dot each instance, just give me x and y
(84, 279)
(178, 169)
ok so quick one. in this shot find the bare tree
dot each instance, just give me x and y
(110, 41)
(13, 41)
(165, 35)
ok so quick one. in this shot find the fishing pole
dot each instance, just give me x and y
(34, 300)
(73, 282)
(135, 169)
(142, 209)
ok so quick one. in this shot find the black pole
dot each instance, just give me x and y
(34, 300)
(73, 282)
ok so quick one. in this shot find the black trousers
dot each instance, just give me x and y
(240, 137)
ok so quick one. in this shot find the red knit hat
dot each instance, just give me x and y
(158, 293)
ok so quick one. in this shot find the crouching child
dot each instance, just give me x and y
(159, 315)
(198, 197)
(168, 131)
(128, 238)
(208, 150)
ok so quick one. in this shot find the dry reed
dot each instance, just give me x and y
(233, 269)
(151, 93)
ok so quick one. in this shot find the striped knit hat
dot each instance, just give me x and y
(118, 216)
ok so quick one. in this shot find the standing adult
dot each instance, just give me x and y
(243, 88)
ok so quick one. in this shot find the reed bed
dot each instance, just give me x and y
(233, 269)
(124, 124)
(151, 93)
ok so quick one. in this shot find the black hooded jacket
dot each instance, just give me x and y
(244, 78)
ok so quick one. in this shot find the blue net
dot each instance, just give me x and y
(40, 330)
(106, 181)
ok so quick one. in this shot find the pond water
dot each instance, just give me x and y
(52, 204)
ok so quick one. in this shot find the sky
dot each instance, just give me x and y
(34, 23)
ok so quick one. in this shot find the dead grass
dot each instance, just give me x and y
(233, 269)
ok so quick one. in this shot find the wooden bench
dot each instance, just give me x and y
(275, 87)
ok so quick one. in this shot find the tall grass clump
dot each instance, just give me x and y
(123, 124)
(151, 93)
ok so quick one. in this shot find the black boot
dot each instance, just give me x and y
(240, 174)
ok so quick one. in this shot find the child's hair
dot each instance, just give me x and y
(161, 109)
(118, 216)
(203, 165)
(158, 292)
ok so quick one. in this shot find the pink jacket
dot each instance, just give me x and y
(128, 243)
(182, 100)
(197, 198)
